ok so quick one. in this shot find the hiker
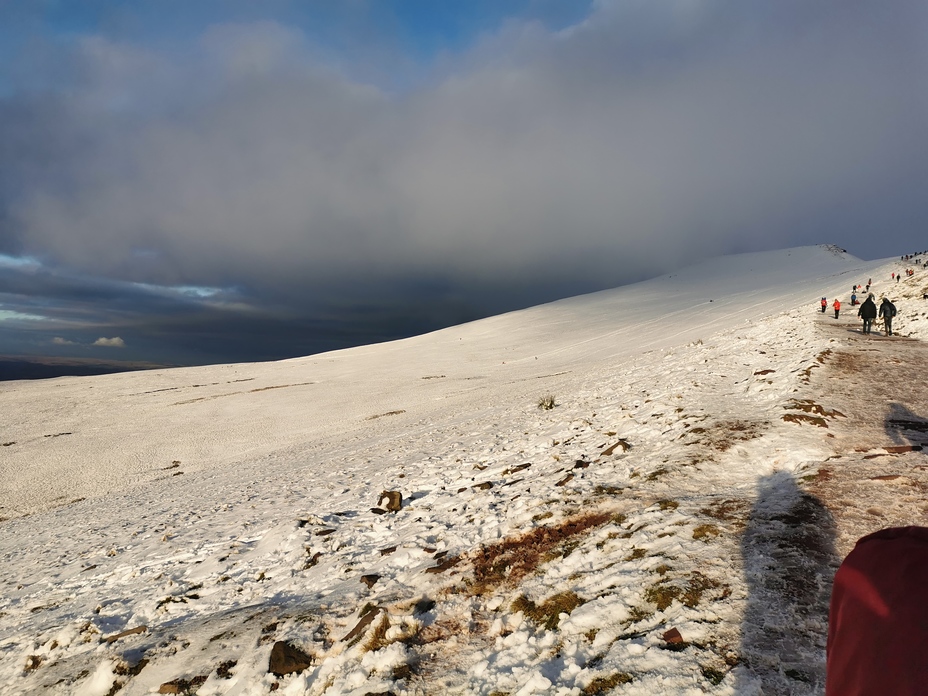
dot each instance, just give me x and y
(867, 312)
(837, 306)
(853, 299)
(878, 617)
(824, 304)
(887, 311)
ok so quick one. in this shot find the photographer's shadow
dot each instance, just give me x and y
(788, 549)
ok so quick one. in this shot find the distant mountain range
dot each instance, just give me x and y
(31, 367)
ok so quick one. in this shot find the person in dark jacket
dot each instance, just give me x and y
(887, 312)
(867, 312)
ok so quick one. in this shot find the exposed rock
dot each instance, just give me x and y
(394, 500)
(123, 634)
(623, 443)
(444, 565)
(580, 464)
(899, 449)
(287, 659)
(387, 551)
(378, 511)
(370, 580)
(183, 686)
(485, 486)
(567, 479)
(365, 621)
(673, 636)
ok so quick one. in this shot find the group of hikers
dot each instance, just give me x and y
(868, 310)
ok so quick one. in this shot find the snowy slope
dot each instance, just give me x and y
(225, 508)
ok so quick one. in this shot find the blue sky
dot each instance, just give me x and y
(215, 181)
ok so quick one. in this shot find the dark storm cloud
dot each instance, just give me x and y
(536, 162)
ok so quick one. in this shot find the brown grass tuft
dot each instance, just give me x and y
(548, 613)
(602, 685)
(510, 560)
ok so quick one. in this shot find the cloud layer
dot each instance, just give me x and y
(534, 163)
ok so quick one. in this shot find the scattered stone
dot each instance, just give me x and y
(444, 565)
(183, 686)
(33, 662)
(287, 659)
(132, 631)
(387, 551)
(378, 511)
(325, 532)
(623, 443)
(485, 486)
(516, 469)
(224, 670)
(673, 636)
(370, 580)
(424, 605)
(899, 449)
(394, 500)
(366, 620)
(564, 481)
(462, 490)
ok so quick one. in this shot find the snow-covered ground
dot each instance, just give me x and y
(670, 526)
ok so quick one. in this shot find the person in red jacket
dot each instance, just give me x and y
(837, 306)
(824, 304)
(878, 621)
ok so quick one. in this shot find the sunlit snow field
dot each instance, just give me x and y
(229, 507)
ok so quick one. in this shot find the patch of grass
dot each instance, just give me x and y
(546, 402)
(636, 614)
(668, 504)
(636, 554)
(662, 569)
(542, 516)
(727, 510)
(510, 560)
(378, 637)
(548, 613)
(712, 675)
(706, 532)
(602, 685)
(663, 593)
(607, 490)
(808, 406)
(654, 475)
(800, 418)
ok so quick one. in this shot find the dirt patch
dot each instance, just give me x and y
(723, 435)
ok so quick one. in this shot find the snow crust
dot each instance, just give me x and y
(220, 509)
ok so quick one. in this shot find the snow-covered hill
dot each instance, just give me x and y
(216, 512)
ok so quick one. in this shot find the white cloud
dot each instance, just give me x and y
(58, 341)
(115, 342)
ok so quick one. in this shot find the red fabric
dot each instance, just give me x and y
(878, 623)
(837, 305)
